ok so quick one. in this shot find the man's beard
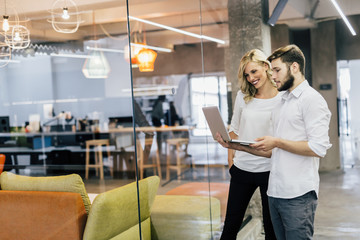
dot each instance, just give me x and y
(289, 82)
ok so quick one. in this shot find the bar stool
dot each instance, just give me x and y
(141, 157)
(98, 165)
(181, 147)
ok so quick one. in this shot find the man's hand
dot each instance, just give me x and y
(236, 146)
(265, 143)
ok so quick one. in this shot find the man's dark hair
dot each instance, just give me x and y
(289, 54)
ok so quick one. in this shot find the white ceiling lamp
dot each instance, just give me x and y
(65, 16)
(105, 49)
(336, 5)
(160, 49)
(70, 55)
(178, 30)
(10, 61)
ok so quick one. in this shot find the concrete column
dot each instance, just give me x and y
(279, 36)
(323, 55)
(247, 30)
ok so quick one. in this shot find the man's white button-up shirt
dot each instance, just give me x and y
(303, 116)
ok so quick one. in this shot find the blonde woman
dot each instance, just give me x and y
(254, 103)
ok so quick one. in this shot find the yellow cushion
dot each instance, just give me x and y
(68, 183)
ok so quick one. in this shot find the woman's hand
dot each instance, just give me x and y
(220, 140)
(229, 145)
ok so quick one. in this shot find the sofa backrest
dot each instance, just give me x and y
(34, 215)
(114, 214)
(67, 183)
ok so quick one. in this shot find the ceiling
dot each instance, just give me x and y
(110, 18)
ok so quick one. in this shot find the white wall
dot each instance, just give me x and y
(354, 95)
(41, 79)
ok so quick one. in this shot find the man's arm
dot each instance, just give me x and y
(239, 147)
(267, 143)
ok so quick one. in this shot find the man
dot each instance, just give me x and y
(300, 138)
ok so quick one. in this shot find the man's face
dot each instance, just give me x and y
(281, 75)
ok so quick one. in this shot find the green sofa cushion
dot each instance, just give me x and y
(116, 211)
(133, 232)
(68, 183)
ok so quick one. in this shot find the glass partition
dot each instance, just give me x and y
(113, 91)
(177, 55)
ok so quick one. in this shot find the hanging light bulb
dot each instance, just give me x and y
(6, 25)
(17, 37)
(65, 14)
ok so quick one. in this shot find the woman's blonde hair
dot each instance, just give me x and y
(247, 88)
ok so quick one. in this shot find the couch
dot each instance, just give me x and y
(59, 208)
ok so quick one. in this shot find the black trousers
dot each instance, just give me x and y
(242, 186)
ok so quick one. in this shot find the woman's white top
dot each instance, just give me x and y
(250, 121)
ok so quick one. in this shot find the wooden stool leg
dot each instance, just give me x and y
(100, 164)
(87, 157)
(109, 160)
(168, 162)
(96, 161)
(178, 161)
(158, 163)
(141, 164)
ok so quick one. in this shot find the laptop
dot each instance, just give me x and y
(216, 124)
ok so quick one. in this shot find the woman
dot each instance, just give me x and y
(251, 119)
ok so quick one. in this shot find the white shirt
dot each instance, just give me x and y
(303, 116)
(252, 120)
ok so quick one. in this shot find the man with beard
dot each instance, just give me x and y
(300, 138)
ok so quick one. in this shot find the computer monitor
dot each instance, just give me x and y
(121, 121)
(4, 124)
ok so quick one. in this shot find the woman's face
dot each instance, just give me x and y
(255, 74)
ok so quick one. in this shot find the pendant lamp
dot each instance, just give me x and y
(16, 35)
(96, 66)
(65, 16)
(146, 59)
(135, 49)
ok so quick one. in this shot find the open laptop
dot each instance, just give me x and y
(216, 124)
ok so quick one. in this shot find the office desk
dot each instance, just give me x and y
(47, 154)
(74, 154)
